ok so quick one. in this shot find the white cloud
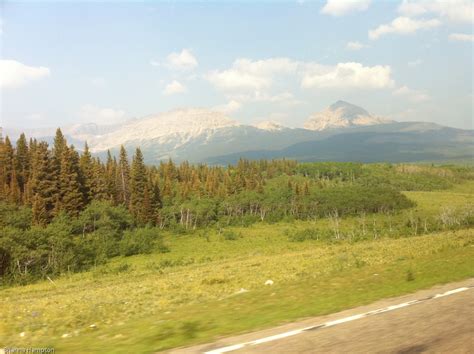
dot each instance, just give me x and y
(229, 107)
(184, 60)
(90, 113)
(415, 62)
(246, 74)
(459, 11)
(16, 74)
(174, 87)
(248, 81)
(355, 45)
(404, 26)
(343, 7)
(412, 95)
(348, 75)
(463, 37)
(154, 63)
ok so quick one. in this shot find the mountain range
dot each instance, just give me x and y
(342, 132)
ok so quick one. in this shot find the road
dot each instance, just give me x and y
(415, 323)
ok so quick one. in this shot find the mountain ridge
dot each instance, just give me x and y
(342, 114)
(202, 135)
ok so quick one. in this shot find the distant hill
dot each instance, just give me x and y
(394, 142)
(342, 132)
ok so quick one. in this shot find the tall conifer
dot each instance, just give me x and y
(138, 185)
(43, 185)
(123, 177)
(72, 198)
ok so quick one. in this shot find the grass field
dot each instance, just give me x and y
(208, 286)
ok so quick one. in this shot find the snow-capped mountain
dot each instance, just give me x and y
(342, 115)
(176, 128)
(342, 132)
(270, 126)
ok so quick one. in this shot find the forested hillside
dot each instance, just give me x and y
(61, 210)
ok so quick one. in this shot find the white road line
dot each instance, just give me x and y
(278, 336)
(227, 349)
(332, 323)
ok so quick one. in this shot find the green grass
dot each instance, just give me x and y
(146, 303)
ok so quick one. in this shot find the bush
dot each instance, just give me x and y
(99, 215)
(142, 240)
(231, 235)
(306, 234)
(14, 216)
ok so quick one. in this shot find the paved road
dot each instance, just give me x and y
(434, 325)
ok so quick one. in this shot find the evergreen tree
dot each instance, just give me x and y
(22, 162)
(14, 194)
(99, 181)
(72, 198)
(86, 166)
(111, 178)
(59, 145)
(123, 177)
(43, 184)
(138, 186)
(156, 201)
(6, 163)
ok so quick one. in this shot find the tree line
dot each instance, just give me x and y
(56, 179)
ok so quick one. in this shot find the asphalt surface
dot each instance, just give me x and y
(431, 325)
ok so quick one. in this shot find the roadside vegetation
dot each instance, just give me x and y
(121, 257)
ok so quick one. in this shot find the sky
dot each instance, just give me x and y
(77, 62)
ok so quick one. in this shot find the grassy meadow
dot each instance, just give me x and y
(212, 282)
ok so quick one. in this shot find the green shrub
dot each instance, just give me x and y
(306, 234)
(231, 235)
(15, 216)
(141, 240)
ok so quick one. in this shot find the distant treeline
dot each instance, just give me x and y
(59, 179)
(63, 210)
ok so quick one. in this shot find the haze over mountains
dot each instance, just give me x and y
(342, 132)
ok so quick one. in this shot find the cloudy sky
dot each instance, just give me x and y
(64, 63)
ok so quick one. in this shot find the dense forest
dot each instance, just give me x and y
(61, 210)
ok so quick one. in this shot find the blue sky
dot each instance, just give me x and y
(64, 63)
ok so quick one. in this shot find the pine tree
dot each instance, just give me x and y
(22, 163)
(43, 184)
(6, 164)
(138, 185)
(99, 182)
(147, 213)
(86, 166)
(124, 177)
(14, 194)
(156, 201)
(72, 198)
(59, 144)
